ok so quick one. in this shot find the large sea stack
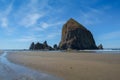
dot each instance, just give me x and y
(76, 36)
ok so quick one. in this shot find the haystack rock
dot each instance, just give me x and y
(76, 36)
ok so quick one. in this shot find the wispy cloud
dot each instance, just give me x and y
(31, 12)
(93, 15)
(110, 40)
(36, 15)
(110, 36)
(44, 25)
(4, 19)
(31, 19)
(38, 38)
(53, 35)
(4, 22)
(4, 16)
(26, 39)
(31, 16)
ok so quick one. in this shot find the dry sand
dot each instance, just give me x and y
(70, 65)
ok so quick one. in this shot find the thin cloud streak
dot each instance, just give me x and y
(33, 11)
(45, 25)
(37, 38)
(5, 21)
(111, 35)
(31, 19)
(93, 15)
(4, 16)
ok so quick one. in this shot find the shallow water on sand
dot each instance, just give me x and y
(11, 71)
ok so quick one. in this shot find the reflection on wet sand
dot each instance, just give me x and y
(11, 71)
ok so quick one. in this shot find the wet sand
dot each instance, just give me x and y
(71, 65)
(11, 71)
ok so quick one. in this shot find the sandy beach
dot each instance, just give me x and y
(71, 65)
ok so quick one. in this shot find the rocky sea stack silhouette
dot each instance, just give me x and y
(76, 36)
(100, 46)
(40, 46)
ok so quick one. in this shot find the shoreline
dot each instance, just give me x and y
(12, 71)
(71, 66)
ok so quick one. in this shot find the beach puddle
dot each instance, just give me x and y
(11, 71)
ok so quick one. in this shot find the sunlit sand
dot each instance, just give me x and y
(71, 65)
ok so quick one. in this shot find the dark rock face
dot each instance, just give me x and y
(76, 36)
(40, 46)
(100, 46)
(55, 47)
(32, 46)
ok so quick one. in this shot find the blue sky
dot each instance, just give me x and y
(25, 21)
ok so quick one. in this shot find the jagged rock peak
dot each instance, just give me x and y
(74, 24)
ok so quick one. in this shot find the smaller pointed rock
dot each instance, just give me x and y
(55, 47)
(32, 46)
(100, 46)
